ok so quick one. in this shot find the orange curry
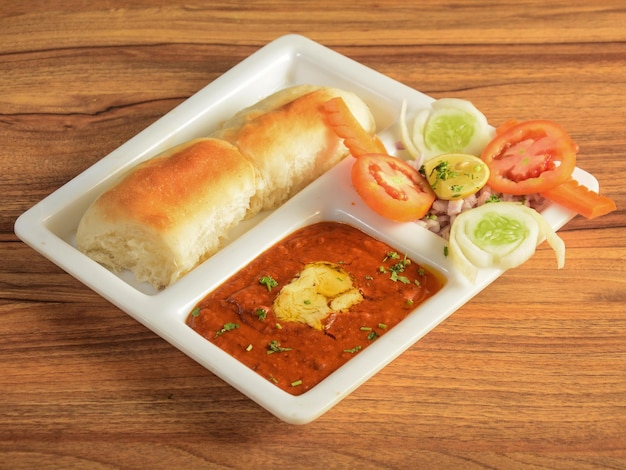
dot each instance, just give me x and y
(239, 316)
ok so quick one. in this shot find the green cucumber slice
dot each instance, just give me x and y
(501, 235)
(451, 125)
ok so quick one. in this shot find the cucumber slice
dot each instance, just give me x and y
(500, 235)
(451, 125)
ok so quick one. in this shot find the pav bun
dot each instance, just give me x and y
(172, 212)
(287, 138)
(169, 213)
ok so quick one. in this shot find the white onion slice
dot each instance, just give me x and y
(406, 138)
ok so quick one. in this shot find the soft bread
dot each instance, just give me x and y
(287, 138)
(169, 213)
(172, 212)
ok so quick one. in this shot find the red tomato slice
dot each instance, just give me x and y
(529, 157)
(391, 187)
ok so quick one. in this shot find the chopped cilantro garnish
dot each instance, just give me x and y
(274, 347)
(398, 268)
(396, 277)
(268, 282)
(261, 313)
(227, 327)
(442, 172)
(391, 255)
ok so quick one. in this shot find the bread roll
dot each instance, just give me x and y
(172, 212)
(169, 213)
(287, 138)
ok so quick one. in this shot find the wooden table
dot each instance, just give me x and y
(530, 373)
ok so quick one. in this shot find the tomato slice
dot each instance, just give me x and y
(391, 187)
(529, 157)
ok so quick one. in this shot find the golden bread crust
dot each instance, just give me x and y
(163, 191)
(172, 212)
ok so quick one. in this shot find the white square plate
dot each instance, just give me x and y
(49, 226)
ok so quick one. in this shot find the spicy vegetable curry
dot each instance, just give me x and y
(311, 302)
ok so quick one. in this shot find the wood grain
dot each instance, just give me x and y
(531, 373)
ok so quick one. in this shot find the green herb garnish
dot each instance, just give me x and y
(398, 268)
(372, 336)
(227, 327)
(268, 282)
(396, 277)
(391, 255)
(274, 347)
(442, 172)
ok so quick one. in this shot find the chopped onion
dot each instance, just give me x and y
(500, 235)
